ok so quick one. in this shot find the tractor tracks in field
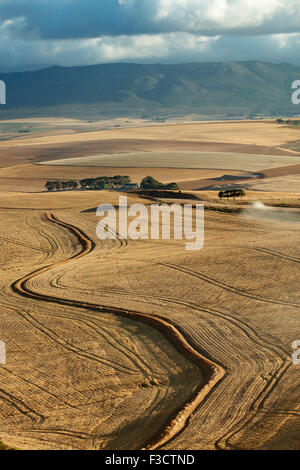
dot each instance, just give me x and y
(213, 373)
(257, 405)
(276, 253)
(228, 287)
(279, 355)
(21, 407)
(27, 245)
(224, 441)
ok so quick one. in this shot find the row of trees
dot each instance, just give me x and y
(61, 185)
(293, 122)
(107, 182)
(104, 182)
(232, 193)
(101, 182)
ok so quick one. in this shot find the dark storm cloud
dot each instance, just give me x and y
(66, 19)
(69, 19)
(74, 32)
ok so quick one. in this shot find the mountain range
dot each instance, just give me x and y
(227, 89)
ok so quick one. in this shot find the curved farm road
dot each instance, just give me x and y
(212, 372)
(247, 373)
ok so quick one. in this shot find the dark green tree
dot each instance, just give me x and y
(150, 183)
(50, 185)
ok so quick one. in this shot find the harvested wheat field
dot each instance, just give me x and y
(122, 344)
(142, 344)
(267, 133)
(289, 184)
(32, 177)
(187, 159)
(75, 140)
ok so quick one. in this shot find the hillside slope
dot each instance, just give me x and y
(229, 89)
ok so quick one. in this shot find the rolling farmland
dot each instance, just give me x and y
(134, 344)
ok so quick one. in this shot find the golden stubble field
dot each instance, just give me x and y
(244, 132)
(82, 373)
(193, 154)
(122, 344)
(32, 178)
(250, 137)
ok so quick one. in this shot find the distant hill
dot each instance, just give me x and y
(21, 68)
(229, 89)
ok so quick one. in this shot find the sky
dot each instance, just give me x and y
(83, 32)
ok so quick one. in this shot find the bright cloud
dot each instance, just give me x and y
(70, 32)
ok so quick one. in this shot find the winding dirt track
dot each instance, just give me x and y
(243, 369)
(212, 373)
